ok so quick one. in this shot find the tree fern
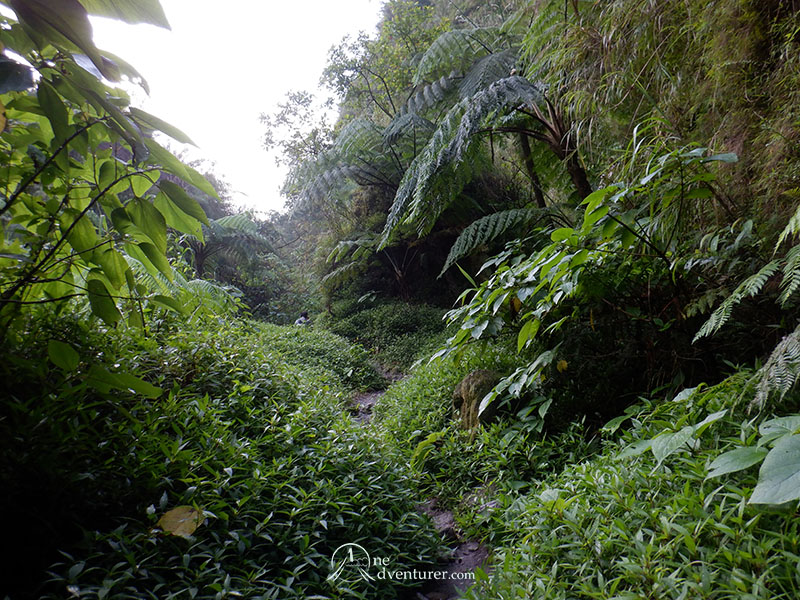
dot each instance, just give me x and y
(447, 161)
(749, 287)
(485, 230)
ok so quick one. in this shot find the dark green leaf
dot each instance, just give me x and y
(14, 77)
(169, 303)
(176, 218)
(60, 21)
(102, 303)
(150, 221)
(103, 380)
(55, 110)
(62, 355)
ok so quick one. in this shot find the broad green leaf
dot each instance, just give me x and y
(141, 184)
(780, 426)
(102, 303)
(183, 200)
(727, 157)
(700, 427)
(82, 234)
(562, 233)
(736, 460)
(634, 449)
(62, 355)
(594, 199)
(153, 260)
(176, 218)
(164, 158)
(114, 266)
(667, 444)
(779, 477)
(107, 173)
(55, 110)
(150, 221)
(181, 521)
(103, 380)
(153, 122)
(685, 394)
(589, 219)
(130, 11)
(528, 332)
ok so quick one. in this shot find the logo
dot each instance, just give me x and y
(350, 561)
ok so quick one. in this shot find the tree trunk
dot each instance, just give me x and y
(527, 158)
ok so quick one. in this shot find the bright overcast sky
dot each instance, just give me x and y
(225, 63)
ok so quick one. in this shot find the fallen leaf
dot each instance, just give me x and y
(181, 520)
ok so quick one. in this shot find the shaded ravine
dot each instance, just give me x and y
(465, 557)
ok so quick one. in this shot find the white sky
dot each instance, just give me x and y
(223, 64)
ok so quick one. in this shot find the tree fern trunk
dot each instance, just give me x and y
(527, 158)
(578, 174)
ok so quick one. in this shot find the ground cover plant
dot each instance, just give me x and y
(650, 517)
(105, 432)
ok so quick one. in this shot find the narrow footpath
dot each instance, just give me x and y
(465, 555)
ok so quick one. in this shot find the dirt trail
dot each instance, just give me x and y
(465, 555)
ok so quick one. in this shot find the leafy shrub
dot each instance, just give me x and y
(415, 416)
(397, 332)
(247, 427)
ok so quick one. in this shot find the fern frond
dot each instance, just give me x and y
(363, 245)
(455, 50)
(241, 222)
(154, 283)
(341, 274)
(486, 71)
(792, 228)
(405, 124)
(359, 138)
(780, 372)
(486, 229)
(791, 275)
(749, 287)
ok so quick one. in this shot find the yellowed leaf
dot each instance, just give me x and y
(181, 520)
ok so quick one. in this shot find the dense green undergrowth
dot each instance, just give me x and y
(244, 422)
(396, 332)
(647, 521)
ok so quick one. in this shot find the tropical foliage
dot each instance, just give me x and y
(599, 198)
